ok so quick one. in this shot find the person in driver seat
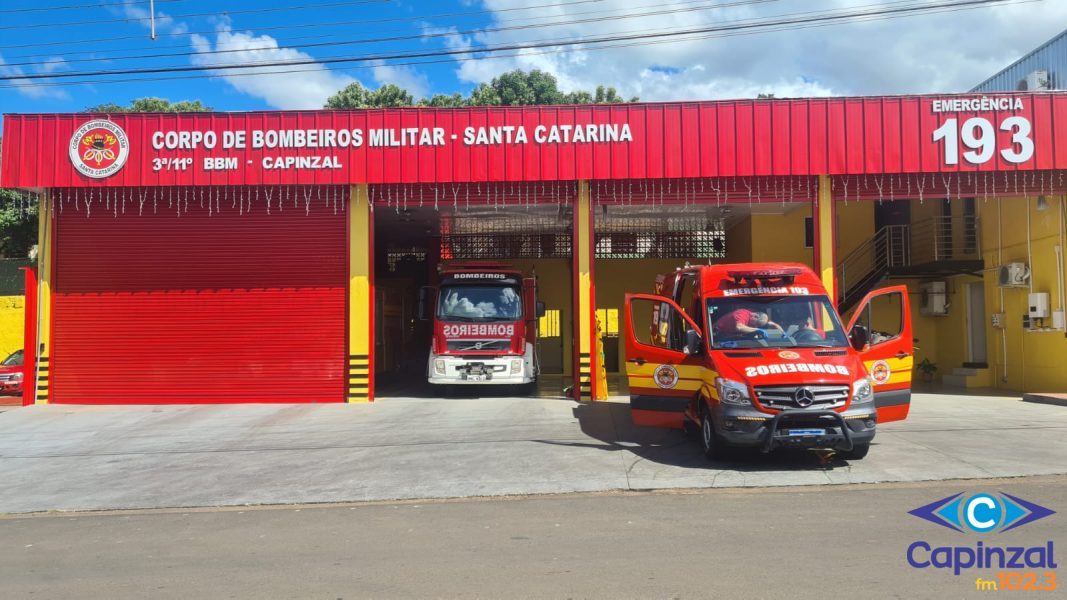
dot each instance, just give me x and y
(742, 320)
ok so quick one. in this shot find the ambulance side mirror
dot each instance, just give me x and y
(426, 294)
(859, 337)
(694, 344)
(540, 309)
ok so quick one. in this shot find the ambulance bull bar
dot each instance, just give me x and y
(772, 429)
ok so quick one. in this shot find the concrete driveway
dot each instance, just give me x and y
(110, 457)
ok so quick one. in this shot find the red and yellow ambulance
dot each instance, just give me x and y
(756, 355)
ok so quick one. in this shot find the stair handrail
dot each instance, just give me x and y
(889, 247)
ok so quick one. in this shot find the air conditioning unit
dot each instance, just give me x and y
(1037, 81)
(933, 299)
(1014, 274)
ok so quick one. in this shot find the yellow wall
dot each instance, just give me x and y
(780, 238)
(1034, 361)
(739, 241)
(554, 285)
(616, 277)
(12, 324)
(1019, 360)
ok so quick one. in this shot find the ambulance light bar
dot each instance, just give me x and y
(765, 277)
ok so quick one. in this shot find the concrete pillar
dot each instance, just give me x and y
(360, 296)
(825, 246)
(585, 356)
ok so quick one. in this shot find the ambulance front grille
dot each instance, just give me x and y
(783, 397)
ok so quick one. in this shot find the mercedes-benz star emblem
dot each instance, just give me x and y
(803, 397)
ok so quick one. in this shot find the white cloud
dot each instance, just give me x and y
(307, 89)
(403, 76)
(32, 88)
(944, 52)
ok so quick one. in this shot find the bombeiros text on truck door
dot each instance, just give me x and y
(756, 355)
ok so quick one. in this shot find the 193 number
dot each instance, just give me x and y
(978, 136)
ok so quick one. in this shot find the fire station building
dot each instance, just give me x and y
(277, 256)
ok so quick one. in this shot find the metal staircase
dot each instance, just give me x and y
(870, 262)
(936, 247)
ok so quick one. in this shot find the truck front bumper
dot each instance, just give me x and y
(745, 426)
(479, 371)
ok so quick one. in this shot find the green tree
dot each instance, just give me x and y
(18, 225)
(518, 88)
(514, 88)
(390, 96)
(150, 104)
(354, 95)
(456, 100)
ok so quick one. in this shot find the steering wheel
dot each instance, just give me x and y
(807, 335)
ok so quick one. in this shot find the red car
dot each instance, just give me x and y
(11, 374)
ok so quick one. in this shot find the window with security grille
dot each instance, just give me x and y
(662, 244)
(665, 233)
(397, 258)
(506, 245)
(543, 232)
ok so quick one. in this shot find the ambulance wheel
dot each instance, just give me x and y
(857, 452)
(709, 440)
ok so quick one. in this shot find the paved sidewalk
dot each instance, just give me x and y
(108, 457)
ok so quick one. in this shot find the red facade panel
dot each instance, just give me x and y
(728, 138)
(150, 308)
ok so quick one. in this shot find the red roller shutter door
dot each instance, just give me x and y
(201, 308)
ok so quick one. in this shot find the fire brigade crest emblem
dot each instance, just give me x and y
(99, 148)
(666, 376)
(880, 372)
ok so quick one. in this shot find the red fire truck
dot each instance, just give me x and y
(484, 325)
(756, 355)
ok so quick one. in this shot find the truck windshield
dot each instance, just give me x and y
(774, 322)
(479, 303)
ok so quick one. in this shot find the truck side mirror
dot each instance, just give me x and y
(540, 309)
(859, 337)
(425, 300)
(694, 344)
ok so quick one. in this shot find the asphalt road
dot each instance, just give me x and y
(799, 542)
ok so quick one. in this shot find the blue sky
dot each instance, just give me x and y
(254, 30)
(931, 53)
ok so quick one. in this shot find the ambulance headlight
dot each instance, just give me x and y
(516, 366)
(862, 392)
(731, 392)
(439, 366)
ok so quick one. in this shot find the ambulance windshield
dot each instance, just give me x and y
(479, 303)
(774, 322)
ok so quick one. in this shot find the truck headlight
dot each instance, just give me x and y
(731, 392)
(516, 366)
(862, 392)
(439, 366)
(16, 377)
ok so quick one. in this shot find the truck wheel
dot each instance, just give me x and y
(858, 451)
(709, 440)
(691, 429)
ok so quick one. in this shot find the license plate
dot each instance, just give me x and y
(475, 377)
(793, 432)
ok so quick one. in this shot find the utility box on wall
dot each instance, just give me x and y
(1039, 305)
(933, 299)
